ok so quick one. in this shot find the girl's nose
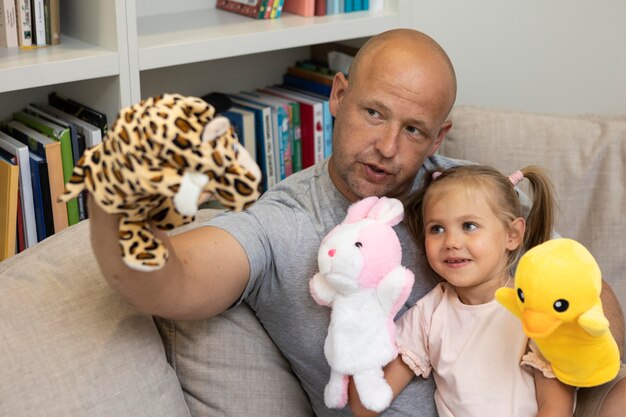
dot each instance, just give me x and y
(331, 252)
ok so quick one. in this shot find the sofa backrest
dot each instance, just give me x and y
(585, 157)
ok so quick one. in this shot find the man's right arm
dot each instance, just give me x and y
(207, 270)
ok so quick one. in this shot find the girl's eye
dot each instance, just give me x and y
(470, 226)
(436, 229)
(358, 244)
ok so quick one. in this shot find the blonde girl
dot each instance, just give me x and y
(470, 223)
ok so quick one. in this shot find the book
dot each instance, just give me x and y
(41, 196)
(277, 8)
(251, 8)
(38, 22)
(81, 111)
(295, 126)
(22, 158)
(243, 123)
(8, 24)
(334, 6)
(50, 150)
(78, 147)
(328, 119)
(305, 84)
(320, 7)
(53, 21)
(282, 133)
(311, 117)
(9, 176)
(311, 74)
(264, 136)
(300, 7)
(62, 135)
(24, 25)
(92, 134)
(357, 5)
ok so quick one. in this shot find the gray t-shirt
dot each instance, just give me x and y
(281, 234)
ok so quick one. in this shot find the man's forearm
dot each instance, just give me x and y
(185, 288)
(613, 312)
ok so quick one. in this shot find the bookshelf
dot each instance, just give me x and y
(115, 52)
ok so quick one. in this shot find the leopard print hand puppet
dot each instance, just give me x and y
(163, 157)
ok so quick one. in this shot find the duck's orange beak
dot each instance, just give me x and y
(537, 324)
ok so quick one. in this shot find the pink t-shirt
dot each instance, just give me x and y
(474, 352)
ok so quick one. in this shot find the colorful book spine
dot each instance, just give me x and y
(9, 177)
(8, 24)
(61, 135)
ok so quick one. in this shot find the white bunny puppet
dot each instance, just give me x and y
(361, 278)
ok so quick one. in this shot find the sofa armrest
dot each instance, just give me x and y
(70, 346)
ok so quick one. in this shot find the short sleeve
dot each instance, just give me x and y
(412, 339)
(534, 359)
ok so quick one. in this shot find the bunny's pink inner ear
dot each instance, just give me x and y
(360, 210)
(388, 211)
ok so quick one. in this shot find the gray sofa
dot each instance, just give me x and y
(69, 346)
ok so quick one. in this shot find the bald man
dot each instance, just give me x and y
(391, 115)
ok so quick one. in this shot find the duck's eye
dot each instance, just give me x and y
(358, 244)
(560, 305)
(520, 294)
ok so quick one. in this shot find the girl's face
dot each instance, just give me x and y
(467, 244)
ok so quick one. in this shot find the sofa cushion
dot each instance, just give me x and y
(69, 346)
(229, 366)
(585, 157)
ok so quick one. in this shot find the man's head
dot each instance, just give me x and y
(390, 114)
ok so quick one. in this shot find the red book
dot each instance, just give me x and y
(300, 7)
(251, 8)
(320, 7)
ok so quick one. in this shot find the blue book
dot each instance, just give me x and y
(35, 172)
(348, 6)
(282, 140)
(308, 85)
(41, 192)
(327, 117)
(357, 5)
(264, 136)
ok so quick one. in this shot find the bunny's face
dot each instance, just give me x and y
(358, 255)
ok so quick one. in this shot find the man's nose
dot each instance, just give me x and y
(387, 142)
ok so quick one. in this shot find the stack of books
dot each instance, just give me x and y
(29, 23)
(287, 126)
(40, 146)
(272, 9)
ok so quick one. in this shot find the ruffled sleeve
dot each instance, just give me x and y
(534, 359)
(412, 334)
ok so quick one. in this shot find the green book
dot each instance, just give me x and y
(296, 143)
(62, 135)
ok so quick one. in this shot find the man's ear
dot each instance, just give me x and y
(441, 135)
(516, 234)
(340, 85)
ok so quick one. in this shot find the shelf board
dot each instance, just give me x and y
(201, 35)
(72, 60)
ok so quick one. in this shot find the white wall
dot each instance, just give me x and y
(560, 56)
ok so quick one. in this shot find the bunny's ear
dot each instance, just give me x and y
(360, 209)
(388, 211)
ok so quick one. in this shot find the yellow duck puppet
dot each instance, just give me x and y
(557, 298)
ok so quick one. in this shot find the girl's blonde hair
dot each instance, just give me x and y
(500, 194)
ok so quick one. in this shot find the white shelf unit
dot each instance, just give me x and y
(115, 52)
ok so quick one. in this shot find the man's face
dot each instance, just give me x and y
(387, 121)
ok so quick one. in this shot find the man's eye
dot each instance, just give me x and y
(372, 112)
